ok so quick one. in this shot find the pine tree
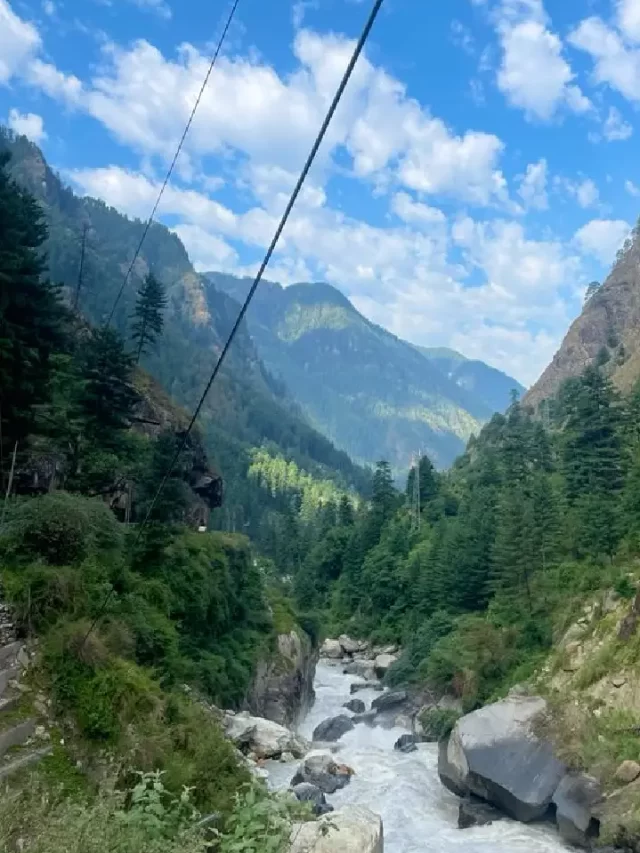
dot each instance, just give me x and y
(345, 512)
(148, 315)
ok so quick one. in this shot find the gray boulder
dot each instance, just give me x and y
(406, 743)
(495, 754)
(362, 668)
(474, 812)
(349, 646)
(389, 701)
(331, 649)
(319, 769)
(574, 799)
(351, 829)
(305, 792)
(333, 728)
(262, 737)
(356, 706)
(368, 718)
(382, 663)
(361, 685)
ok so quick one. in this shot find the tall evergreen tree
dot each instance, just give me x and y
(148, 315)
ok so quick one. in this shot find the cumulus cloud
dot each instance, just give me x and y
(534, 75)
(533, 185)
(30, 125)
(615, 128)
(615, 63)
(19, 40)
(602, 238)
(628, 14)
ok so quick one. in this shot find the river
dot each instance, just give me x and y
(419, 815)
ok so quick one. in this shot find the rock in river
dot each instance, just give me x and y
(262, 737)
(331, 649)
(495, 754)
(319, 769)
(406, 743)
(352, 829)
(475, 812)
(333, 728)
(305, 792)
(574, 800)
(356, 706)
(382, 663)
(389, 701)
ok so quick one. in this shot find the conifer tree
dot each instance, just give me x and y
(148, 315)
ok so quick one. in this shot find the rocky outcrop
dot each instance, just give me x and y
(356, 706)
(406, 743)
(282, 688)
(304, 792)
(494, 754)
(352, 829)
(333, 728)
(382, 663)
(475, 812)
(321, 770)
(389, 702)
(575, 799)
(262, 738)
(331, 649)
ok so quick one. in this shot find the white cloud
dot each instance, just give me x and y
(19, 40)
(614, 63)
(586, 193)
(534, 75)
(45, 76)
(628, 14)
(632, 189)
(533, 186)
(160, 7)
(616, 129)
(602, 238)
(27, 124)
(49, 7)
(414, 212)
(210, 252)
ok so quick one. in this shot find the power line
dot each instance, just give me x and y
(149, 221)
(285, 216)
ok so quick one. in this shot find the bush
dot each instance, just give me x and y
(437, 723)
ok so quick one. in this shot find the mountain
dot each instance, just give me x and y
(607, 330)
(373, 394)
(247, 408)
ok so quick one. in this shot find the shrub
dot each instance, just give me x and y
(259, 823)
(437, 723)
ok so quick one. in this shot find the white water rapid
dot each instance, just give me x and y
(419, 814)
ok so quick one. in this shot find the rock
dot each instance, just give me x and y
(475, 812)
(495, 754)
(618, 681)
(263, 737)
(389, 701)
(402, 721)
(319, 769)
(287, 757)
(356, 706)
(282, 688)
(331, 649)
(351, 829)
(368, 718)
(363, 668)
(355, 688)
(627, 772)
(382, 663)
(333, 728)
(574, 799)
(307, 793)
(387, 650)
(406, 743)
(349, 646)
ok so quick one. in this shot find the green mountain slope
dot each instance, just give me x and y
(373, 394)
(247, 408)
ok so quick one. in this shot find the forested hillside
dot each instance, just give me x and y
(372, 393)
(246, 409)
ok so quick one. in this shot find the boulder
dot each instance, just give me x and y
(574, 799)
(305, 792)
(357, 706)
(368, 718)
(495, 754)
(475, 812)
(406, 743)
(361, 685)
(333, 728)
(352, 829)
(362, 668)
(331, 649)
(263, 738)
(389, 701)
(382, 663)
(627, 772)
(282, 688)
(349, 646)
(319, 769)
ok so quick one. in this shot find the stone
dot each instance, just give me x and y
(263, 737)
(475, 812)
(618, 681)
(23, 658)
(389, 701)
(362, 668)
(331, 649)
(627, 772)
(305, 792)
(349, 646)
(382, 663)
(320, 769)
(287, 757)
(574, 799)
(495, 754)
(333, 728)
(282, 687)
(351, 829)
(358, 686)
(356, 706)
(406, 743)
(368, 718)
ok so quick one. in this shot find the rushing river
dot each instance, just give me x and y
(419, 815)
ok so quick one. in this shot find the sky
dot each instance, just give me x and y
(481, 170)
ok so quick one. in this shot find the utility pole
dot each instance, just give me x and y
(76, 301)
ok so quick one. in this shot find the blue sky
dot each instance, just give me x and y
(481, 171)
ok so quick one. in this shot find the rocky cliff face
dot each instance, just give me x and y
(282, 689)
(609, 323)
